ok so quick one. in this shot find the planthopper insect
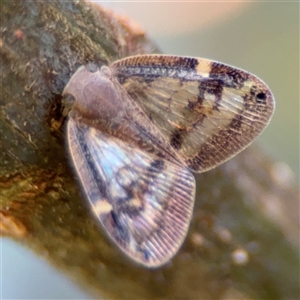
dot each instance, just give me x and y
(139, 127)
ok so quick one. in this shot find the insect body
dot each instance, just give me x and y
(139, 127)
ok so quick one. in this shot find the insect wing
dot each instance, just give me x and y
(145, 203)
(206, 110)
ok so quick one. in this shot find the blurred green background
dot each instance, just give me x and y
(260, 37)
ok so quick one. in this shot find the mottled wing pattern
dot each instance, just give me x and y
(206, 110)
(145, 203)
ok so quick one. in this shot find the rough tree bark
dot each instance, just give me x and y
(243, 238)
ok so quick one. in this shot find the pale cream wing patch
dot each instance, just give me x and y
(207, 111)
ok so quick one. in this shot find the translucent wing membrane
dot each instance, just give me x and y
(134, 130)
(145, 203)
(207, 111)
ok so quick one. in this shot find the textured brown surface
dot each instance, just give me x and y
(243, 240)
